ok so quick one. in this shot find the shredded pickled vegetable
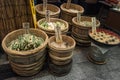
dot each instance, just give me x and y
(61, 45)
(25, 42)
(51, 25)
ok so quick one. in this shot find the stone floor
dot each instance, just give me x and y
(82, 69)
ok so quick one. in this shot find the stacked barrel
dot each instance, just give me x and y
(60, 62)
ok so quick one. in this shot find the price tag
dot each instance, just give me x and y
(47, 16)
(93, 25)
(26, 26)
(68, 4)
(79, 17)
(44, 5)
(58, 34)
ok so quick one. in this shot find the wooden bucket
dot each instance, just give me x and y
(61, 55)
(75, 34)
(25, 59)
(52, 32)
(80, 29)
(67, 15)
(81, 42)
(60, 70)
(28, 66)
(29, 72)
(39, 11)
(80, 32)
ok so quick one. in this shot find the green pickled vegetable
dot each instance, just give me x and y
(51, 25)
(25, 42)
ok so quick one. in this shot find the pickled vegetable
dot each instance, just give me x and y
(86, 23)
(61, 45)
(25, 42)
(51, 25)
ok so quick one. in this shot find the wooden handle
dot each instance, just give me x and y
(68, 4)
(47, 16)
(26, 26)
(58, 34)
(44, 5)
(78, 17)
(93, 24)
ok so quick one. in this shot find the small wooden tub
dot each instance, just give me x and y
(67, 15)
(60, 70)
(52, 32)
(61, 55)
(40, 14)
(81, 30)
(25, 63)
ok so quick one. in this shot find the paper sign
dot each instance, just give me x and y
(93, 24)
(44, 5)
(78, 17)
(26, 26)
(68, 4)
(47, 16)
(58, 34)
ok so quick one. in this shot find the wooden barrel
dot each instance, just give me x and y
(29, 72)
(61, 55)
(28, 66)
(26, 63)
(52, 32)
(60, 70)
(54, 9)
(67, 15)
(80, 32)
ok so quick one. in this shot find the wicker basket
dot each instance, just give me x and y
(61, 54)
(52, 32)
(53, 8)
(68, 15)
(26, 63)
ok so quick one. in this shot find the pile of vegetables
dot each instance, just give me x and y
(73, 10)
(86, 23)
(25, 42)
(61, 45)
(51, 25)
